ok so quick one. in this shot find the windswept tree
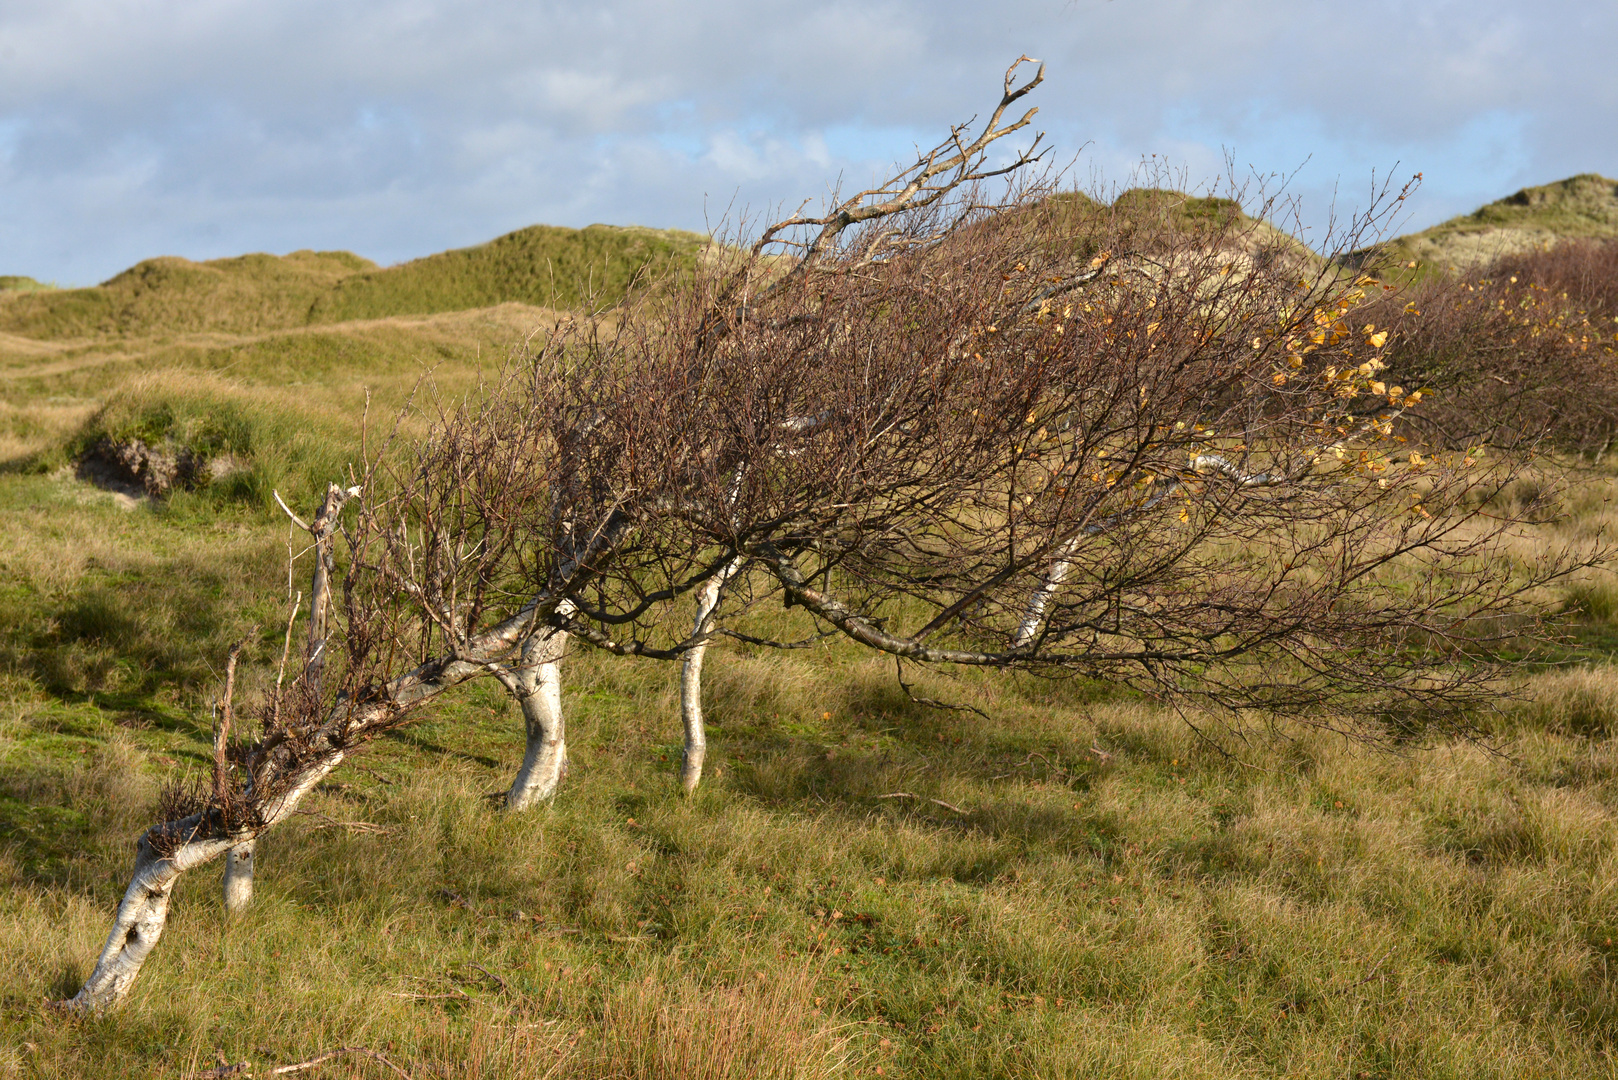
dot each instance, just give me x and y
(1018, 433)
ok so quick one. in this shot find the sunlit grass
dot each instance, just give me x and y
(1080, 885)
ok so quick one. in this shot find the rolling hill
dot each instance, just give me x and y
(540, 265)
(1579, 207)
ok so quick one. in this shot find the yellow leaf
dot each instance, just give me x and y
(1411, 309)
(1378, 339)
(1379, 388)
(1278, 379)
(1184, 514)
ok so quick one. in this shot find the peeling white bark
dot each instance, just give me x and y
(539, 693)
(1034, 615)
(696, 736)
(145, 907)
(239, 877)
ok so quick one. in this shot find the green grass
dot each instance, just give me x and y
(1308, 910)
(1076, 887)
(18, 283)
(1580, 207)
(540, 266)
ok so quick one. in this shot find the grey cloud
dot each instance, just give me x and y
(397, 127)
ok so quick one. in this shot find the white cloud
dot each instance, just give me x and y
(397, 127)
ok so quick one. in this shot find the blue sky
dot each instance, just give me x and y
(396, 128)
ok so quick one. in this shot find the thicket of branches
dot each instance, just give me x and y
(1015, 432)
(1523, 350)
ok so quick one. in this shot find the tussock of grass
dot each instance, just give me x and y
(261, 440)
(1580, 702)
(541, 265)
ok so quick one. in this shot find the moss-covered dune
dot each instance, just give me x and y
(541, 265)
(171, 295)
(1583, 207)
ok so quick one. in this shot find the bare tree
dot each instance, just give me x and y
(957, 430)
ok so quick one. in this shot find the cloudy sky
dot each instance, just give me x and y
(395, 128)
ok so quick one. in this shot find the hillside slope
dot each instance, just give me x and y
(1580, 207)
(242, 295)
(541, 265)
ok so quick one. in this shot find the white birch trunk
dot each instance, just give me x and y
(239, 877)
(145, 907)
(1039, 603)
(696, 735)
(539, 693)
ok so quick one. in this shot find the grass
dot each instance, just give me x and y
(18, 283)
(1078, 886)
(1579, 207)
(539, 266)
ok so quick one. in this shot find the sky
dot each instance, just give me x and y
(397, 128)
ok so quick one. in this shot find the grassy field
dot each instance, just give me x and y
(1077, 887)
(1580, 207)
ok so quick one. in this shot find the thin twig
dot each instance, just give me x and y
(1374, 969)
(333, 823)
(936, 802)
(296, 520)
(899, 673)
(375, 1055)
(221, 735)
(286, 647)
(498, 980)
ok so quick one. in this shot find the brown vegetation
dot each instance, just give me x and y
(951, 430)
(1523, 350)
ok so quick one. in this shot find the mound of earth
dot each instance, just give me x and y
(1583, 207)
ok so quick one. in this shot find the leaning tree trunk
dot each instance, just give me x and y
(241, 860)
(162, 854)
(696, 736)
(538, 689)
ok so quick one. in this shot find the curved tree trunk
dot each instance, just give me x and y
(539, 693)
(145, 907)
(696, 735)
(239, 877)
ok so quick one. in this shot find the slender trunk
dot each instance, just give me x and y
(1034, 615)
(145, 907)
(539, 693)
(696, 736)
(239, 877)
